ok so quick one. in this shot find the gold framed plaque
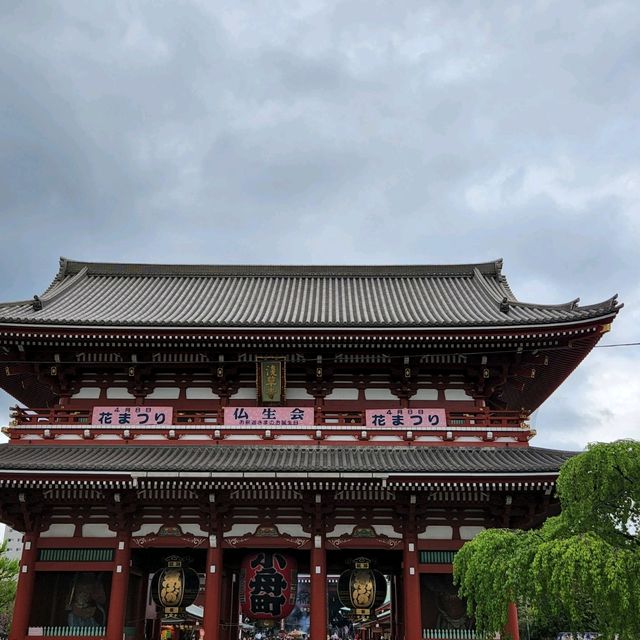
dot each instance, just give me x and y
(271, 380)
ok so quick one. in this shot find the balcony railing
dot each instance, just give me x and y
(470, 419)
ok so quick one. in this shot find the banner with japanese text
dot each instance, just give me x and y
(429, 418)
(268, 416)
(132, 416)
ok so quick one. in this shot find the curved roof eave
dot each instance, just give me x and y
(316, 327)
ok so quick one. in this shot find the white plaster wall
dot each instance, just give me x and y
(145, 529)
(468, 532)
(119, 393)
(386, 530)
(201, 393)
(87, 392)
(97, 531)
(343, 394)
(240, 530)
(294, 530)
(193, 529)
(59, 531)
(246, 393)
(425, 394)
(379, 394)
(436, 532)
(298, 394)
(457, 394)
(164, 393)
(341, 529)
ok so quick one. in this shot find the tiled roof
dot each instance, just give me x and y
(105, 294)
(269, 459)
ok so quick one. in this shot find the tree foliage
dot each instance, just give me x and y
(8, 575)
(581, 569)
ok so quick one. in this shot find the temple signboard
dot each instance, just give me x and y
(132, 416)
(268, 416)
(271, 380)
(428, 418)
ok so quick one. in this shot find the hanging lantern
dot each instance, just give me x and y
(362, 589)
(268, 585)
(175, 587)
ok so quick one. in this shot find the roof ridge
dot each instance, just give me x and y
(72, 267)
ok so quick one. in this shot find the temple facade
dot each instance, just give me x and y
(272, 451)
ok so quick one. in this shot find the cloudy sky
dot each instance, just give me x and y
(337, 132)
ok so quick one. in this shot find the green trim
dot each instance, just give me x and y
(437, 557)
(75, 555)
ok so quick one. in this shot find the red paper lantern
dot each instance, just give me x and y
(268, 585)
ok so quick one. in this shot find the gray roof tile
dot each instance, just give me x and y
(425, 296)
(235, 458)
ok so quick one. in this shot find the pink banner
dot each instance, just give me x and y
(268, 416)
(429, 418)
(132, 416)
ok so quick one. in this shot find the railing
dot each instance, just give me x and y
(473, 426)
(474, 419)
(450, 634)
(67, 631)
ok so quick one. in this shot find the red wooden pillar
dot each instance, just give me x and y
(24, 592)
(212, 594)
(511, 629)
(411, 592)
(141, 606)
(318, 572)
(119, 588)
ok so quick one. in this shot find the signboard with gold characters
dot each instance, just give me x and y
(271, 380)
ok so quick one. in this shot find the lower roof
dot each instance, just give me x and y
(216, 459)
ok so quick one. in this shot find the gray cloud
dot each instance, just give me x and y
(329, 132)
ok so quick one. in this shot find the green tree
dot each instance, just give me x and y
(8, 582)
(581, 569)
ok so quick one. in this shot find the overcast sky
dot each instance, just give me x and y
(337, 132)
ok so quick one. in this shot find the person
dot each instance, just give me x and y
(451, 612)
(86, 603)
